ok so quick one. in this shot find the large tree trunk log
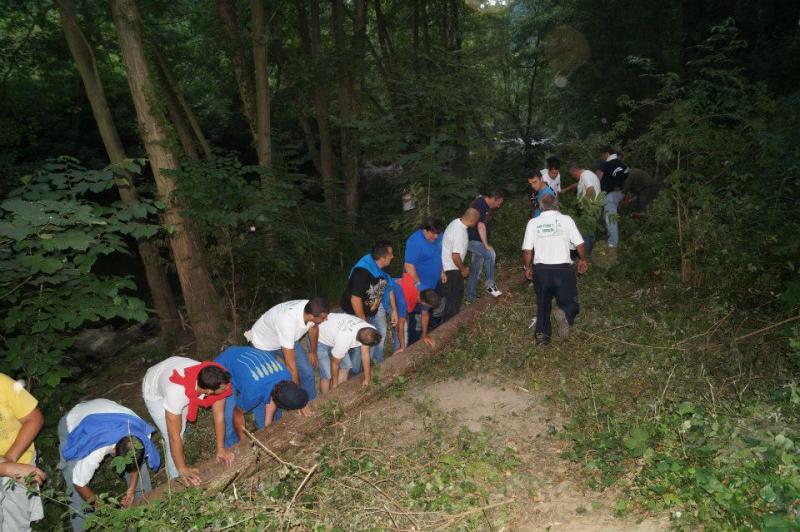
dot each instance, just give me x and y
(202, 302)
(155, 272)
(350, 397)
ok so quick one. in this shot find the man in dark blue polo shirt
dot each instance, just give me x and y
(612, 174)
(482, 253)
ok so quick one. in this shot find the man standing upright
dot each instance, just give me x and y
(363, 296)
(454, 250)
(20, 422)
(483, 254)
(279, 331)
(612, 174)
(539, 189)
(547, 244)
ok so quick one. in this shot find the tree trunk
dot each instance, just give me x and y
(175, 115)
(311, 37)
(263, 135)
(202, 302)
(157, 280)
(226, 10)
(175, 88)
(348, 68)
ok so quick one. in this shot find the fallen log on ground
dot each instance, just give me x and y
(349, 397)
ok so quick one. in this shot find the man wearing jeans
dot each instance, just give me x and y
(547, 242)
(454, 251)
(612, 176)
(483, 254)
(279, 330)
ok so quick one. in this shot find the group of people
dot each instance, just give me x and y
(551, 237)
(277, 372)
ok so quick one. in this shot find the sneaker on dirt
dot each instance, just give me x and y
(562, 324)
(494, 291)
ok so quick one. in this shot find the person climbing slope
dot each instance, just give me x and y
(90, 432)
(260, 384)
(174, 390)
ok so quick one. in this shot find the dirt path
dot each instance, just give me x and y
(546, 490)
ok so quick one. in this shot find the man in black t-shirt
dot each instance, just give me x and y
(612, 174)
(363, 296)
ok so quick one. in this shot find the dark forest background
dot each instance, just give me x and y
(196, 162)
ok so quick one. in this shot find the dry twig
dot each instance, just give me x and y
(272, 453)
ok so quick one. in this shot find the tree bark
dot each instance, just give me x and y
(175, 87)
(226, 10)
(311, 38)
(155, 273)
(348, 70)
(175, 115)
(202, 301)
(263, 134)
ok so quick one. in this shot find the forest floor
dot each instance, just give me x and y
(492, 433)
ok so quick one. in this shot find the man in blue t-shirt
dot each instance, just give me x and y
(423, 262)
(482, 253)
(539, 189)
(261, 384)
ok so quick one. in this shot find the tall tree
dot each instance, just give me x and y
(309, 28)
(349, 75)
(226, 10)
(82, 53)
(263, 135)
(202, 302)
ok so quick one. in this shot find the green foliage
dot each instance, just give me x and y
(52, 233)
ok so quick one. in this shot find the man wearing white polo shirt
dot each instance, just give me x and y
(344, 342)
(454, 250)
(547, 245)
(279, 330)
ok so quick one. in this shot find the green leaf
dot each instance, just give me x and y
(15, 231)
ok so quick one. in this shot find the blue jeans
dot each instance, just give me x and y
(76, 502)
(481, 258)
(554, 280)
(304, 369)
(259, 413)
(379, 322)
(610, 212)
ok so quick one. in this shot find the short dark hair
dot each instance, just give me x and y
(212, 377)
(125, 445)
(553, 162)
(317, 306)
(430, 297)
(496, 193)
(434, 225)
(548, 202)
(368, 336)
(289, 396)
(608, 149)
(381, 249)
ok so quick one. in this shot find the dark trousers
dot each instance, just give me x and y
(453, 292)
(554, 280)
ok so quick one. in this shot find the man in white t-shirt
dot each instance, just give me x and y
(454, 250)
(587, 182)
(279, 330)
(546, 245)
(552, 174)
(173, 391)
(341, 337)
(93, 430)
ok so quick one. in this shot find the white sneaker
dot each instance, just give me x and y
(494, 291)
